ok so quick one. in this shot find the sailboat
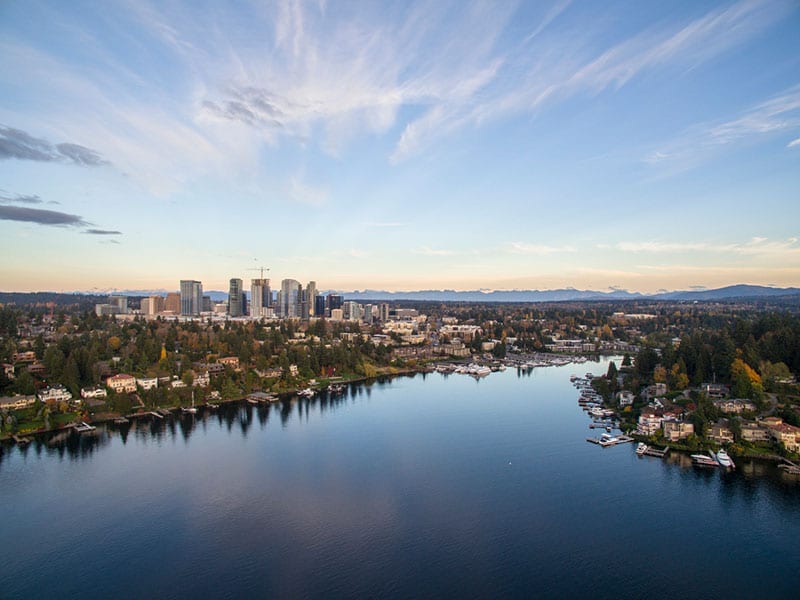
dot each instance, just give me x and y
(190, 409)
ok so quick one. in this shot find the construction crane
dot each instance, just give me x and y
(261, 269)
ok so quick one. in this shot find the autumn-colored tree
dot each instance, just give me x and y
(660, 374)
(746, 382)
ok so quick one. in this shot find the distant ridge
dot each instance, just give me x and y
(741, 291)
(729, 293)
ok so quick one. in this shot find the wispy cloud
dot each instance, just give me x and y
(15, 143)
(538, 249)
(40, 216)
(778, 114)
(428, 251)
(19, 199)
(102, 232)
(754, 246)
(793, 143)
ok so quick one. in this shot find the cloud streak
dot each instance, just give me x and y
(102, 232)
(20, 145)
(776, 115)
(756, 246)
(20, 199)
(41, 217)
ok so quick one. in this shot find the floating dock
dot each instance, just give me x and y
(622, 439)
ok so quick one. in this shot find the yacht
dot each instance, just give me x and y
(189, 409)
(307, 393)
(606, 439)
(641, 448)
(724, 460)
(704, 460)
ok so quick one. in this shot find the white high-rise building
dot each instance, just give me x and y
(260, 298)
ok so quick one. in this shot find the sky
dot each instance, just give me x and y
(400, 145)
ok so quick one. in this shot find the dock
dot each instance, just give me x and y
(21, 440)
(790, 467)
(656, 452)
(83, 427)
(622, 439)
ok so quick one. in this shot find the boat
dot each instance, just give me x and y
(641, 448)
(212, 406)
(606, 439)
(724, 460)
(336, 388)
(704, 460)
(306, 393)
(121, 421)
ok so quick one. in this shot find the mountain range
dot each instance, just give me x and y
(733, 292)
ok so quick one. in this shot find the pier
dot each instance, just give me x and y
(610, 441)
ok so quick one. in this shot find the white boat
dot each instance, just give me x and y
(606, 439)
(641, 448)
(724, 460)
(306, 393)
(704, 460)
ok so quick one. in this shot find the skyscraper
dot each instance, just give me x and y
(260, 298)
(191, 297)
(319, 306)
(235, 297)
(291, 299)
(310, 294)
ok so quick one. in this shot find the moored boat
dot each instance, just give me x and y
(641, 448)
(724, 460)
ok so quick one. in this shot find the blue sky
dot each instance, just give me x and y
(398, 146)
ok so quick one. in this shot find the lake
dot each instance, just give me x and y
(425, 486)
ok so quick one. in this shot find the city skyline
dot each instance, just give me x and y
(400, 146)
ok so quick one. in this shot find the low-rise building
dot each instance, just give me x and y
(147, 383)
(55, 393)
(16, 402)
(721, 432)
(786, 434)
(677, 430)
(28, 356)
(230, 361)
(625, 398)
(735, 406)
(122, 383)
(649, 422)
(752, 431)
(93, 392)
(201, 379)
(8, 369)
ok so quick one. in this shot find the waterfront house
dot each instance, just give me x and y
(16, 402)
(754, 432)
(649, 422)
(677, 430)
(721, 432)
(788, 435)
(54, 394)
(122, 383)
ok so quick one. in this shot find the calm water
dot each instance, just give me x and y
(418, 487)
